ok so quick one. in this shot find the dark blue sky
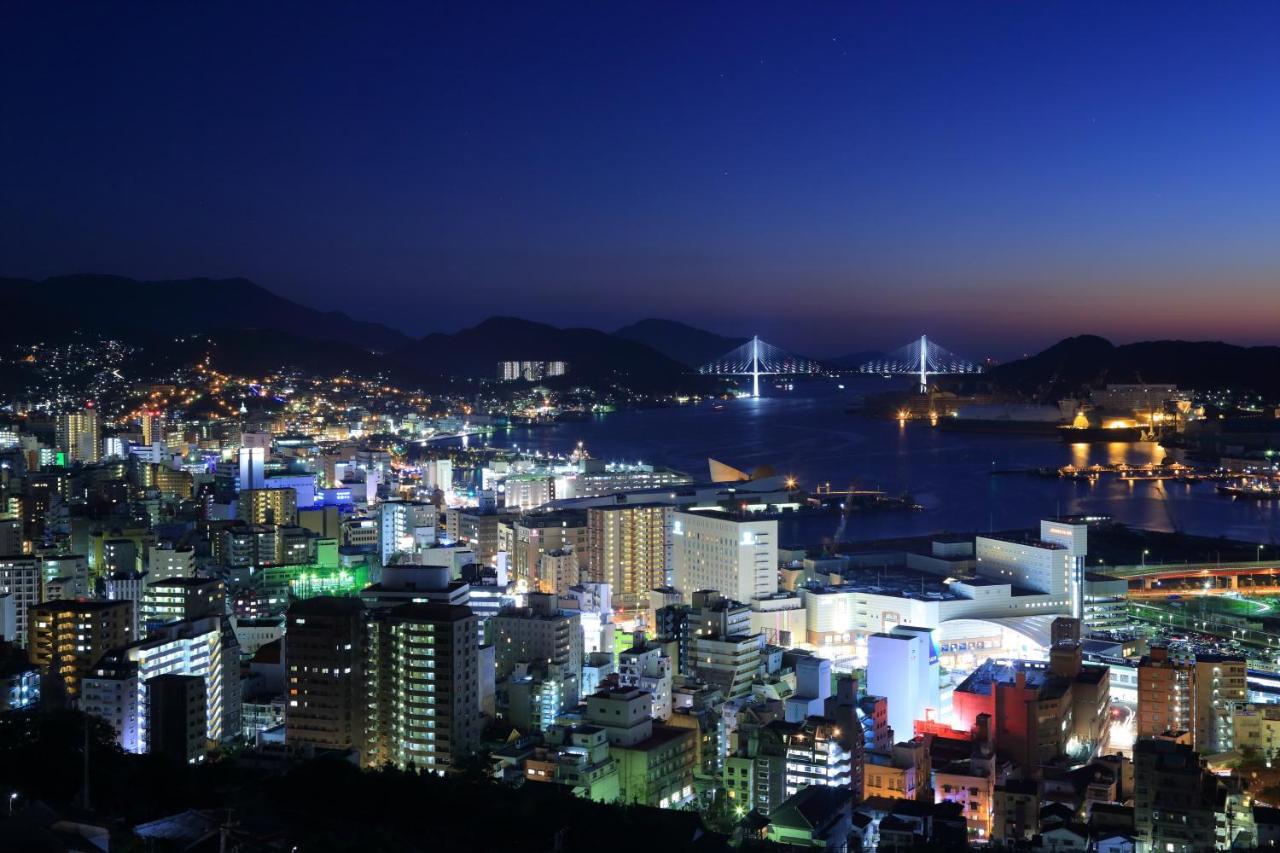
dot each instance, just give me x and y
(835, 177)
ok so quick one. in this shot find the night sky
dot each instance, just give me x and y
(834, 177)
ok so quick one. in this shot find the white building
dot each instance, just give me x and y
(714, 550)
(116, 690)
(20, 577)
(902, 666)
(405, 527)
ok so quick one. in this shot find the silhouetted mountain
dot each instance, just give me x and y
(594, 357)
(126, 308)
(686, 344)
(1073, 365)
(853, 360)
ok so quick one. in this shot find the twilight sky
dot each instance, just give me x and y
(834, 177)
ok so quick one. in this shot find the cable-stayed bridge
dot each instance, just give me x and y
(921, 358)
(756, 358)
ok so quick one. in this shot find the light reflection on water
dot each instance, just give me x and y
(809, 434)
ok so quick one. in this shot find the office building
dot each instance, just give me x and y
(1195, 695)
(715, 550)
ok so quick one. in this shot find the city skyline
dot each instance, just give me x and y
(834, 182)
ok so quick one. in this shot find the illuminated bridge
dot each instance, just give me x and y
(756, 358)
(921, 358)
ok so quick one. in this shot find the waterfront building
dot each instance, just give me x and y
(716, 550)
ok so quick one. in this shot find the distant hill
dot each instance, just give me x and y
(127, 308)
(853, 360)
(595, 358)
(681, 342)
(1073, 365)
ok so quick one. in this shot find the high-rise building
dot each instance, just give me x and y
(20, 578)
(268, 506)
(527, 538)
(404, 527)
(629, 547)
(716, 550)
(80, 436)
(325, 656)
(1196, 696)
(175, 599)
(540, 633)
(424, 688)
(70, 637)
(153, 427)
(117, 688)
(1219, 690)
(177, 717)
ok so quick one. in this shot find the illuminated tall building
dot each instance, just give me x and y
(117, 687)
(424, 688)
(20, 578)
(268, 506)
(1194, 696)
(175, 599)
(325, 656)
(80, 435)
(1166, 694)
(404, 527)
(714, 550)
(70, 637)
(153, 429)
(629, 547)
(527, 538)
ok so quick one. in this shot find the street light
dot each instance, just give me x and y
(13, 795)
(1145, 552)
